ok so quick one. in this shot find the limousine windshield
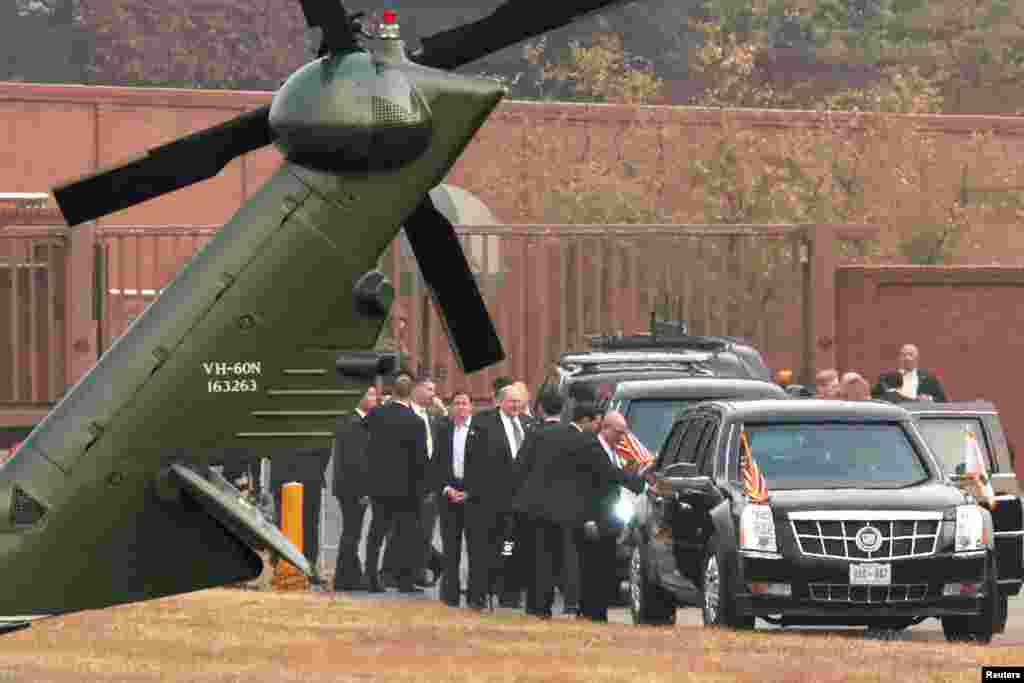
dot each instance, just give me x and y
(847, 455)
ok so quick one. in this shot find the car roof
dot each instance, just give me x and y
(638, 357)
(922, 408)
(812, 410)
(697, 387)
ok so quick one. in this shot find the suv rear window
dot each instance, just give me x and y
(650, 419)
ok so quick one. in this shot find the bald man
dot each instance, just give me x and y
(576, 481)
(826, 384)
(853, 387)
(910, 382)
(492, 452)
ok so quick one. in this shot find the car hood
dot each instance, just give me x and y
(930, 497)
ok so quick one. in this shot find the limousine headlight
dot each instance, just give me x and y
(757, 529)
(970, 529)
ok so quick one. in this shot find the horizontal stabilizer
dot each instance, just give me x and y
(225, 503)
(8, 626)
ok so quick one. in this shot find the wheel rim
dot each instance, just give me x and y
(712, 590)
(634, 581)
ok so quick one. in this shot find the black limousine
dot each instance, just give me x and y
(810, 513)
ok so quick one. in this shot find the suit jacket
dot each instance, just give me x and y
(529, 454)
(927, 383)
(396, 452)
(571, 479)
(444, 454)
(490, 467)
(351, 435)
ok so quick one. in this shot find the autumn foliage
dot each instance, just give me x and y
(867, 158)
(187, 43)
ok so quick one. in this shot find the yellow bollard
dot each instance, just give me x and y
(286, 575)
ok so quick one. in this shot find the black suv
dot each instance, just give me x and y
(943, 426)
(860, 525)
(651, 407)
(594, 374)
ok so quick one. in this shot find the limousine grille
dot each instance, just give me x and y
(868, 595)
(902, 535)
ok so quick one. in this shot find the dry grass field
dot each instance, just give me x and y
(236, 635)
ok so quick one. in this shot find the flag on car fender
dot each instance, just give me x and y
(976, 469)
(754, 484)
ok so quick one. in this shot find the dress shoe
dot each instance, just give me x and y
(409, 589)
(424, 581)
(571, 610)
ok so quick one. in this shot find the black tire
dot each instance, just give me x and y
(979, 629)
(718, 601)
(649, 604)
(1003, 613)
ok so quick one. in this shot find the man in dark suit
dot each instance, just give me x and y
(308, 467)
(490, 473)
(910, 382)
(423, 393)
(573, 484)
(350, 488)
(450, 468)
(545, 538)
(397, 455)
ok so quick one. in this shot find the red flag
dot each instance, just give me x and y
(753, 481)
(633, 453)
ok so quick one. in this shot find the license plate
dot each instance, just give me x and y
(870, 574)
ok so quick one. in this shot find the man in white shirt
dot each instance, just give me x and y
(450, 466)
(489, 478)
(910, 382)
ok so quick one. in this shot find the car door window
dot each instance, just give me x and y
(670, 448)
(706, 449)
(688, 446)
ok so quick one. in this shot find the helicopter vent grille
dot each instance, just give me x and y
(387, 113)
(25, 510)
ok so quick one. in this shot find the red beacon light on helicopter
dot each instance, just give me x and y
(388, 25)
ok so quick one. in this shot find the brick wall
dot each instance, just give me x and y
(53, 133)
(968, 323)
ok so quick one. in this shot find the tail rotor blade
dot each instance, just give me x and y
(164, 169)
(513, 22)
(460, 305)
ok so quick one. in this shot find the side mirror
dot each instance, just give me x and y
(683, 478)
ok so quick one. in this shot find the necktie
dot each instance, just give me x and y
(517, 435)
